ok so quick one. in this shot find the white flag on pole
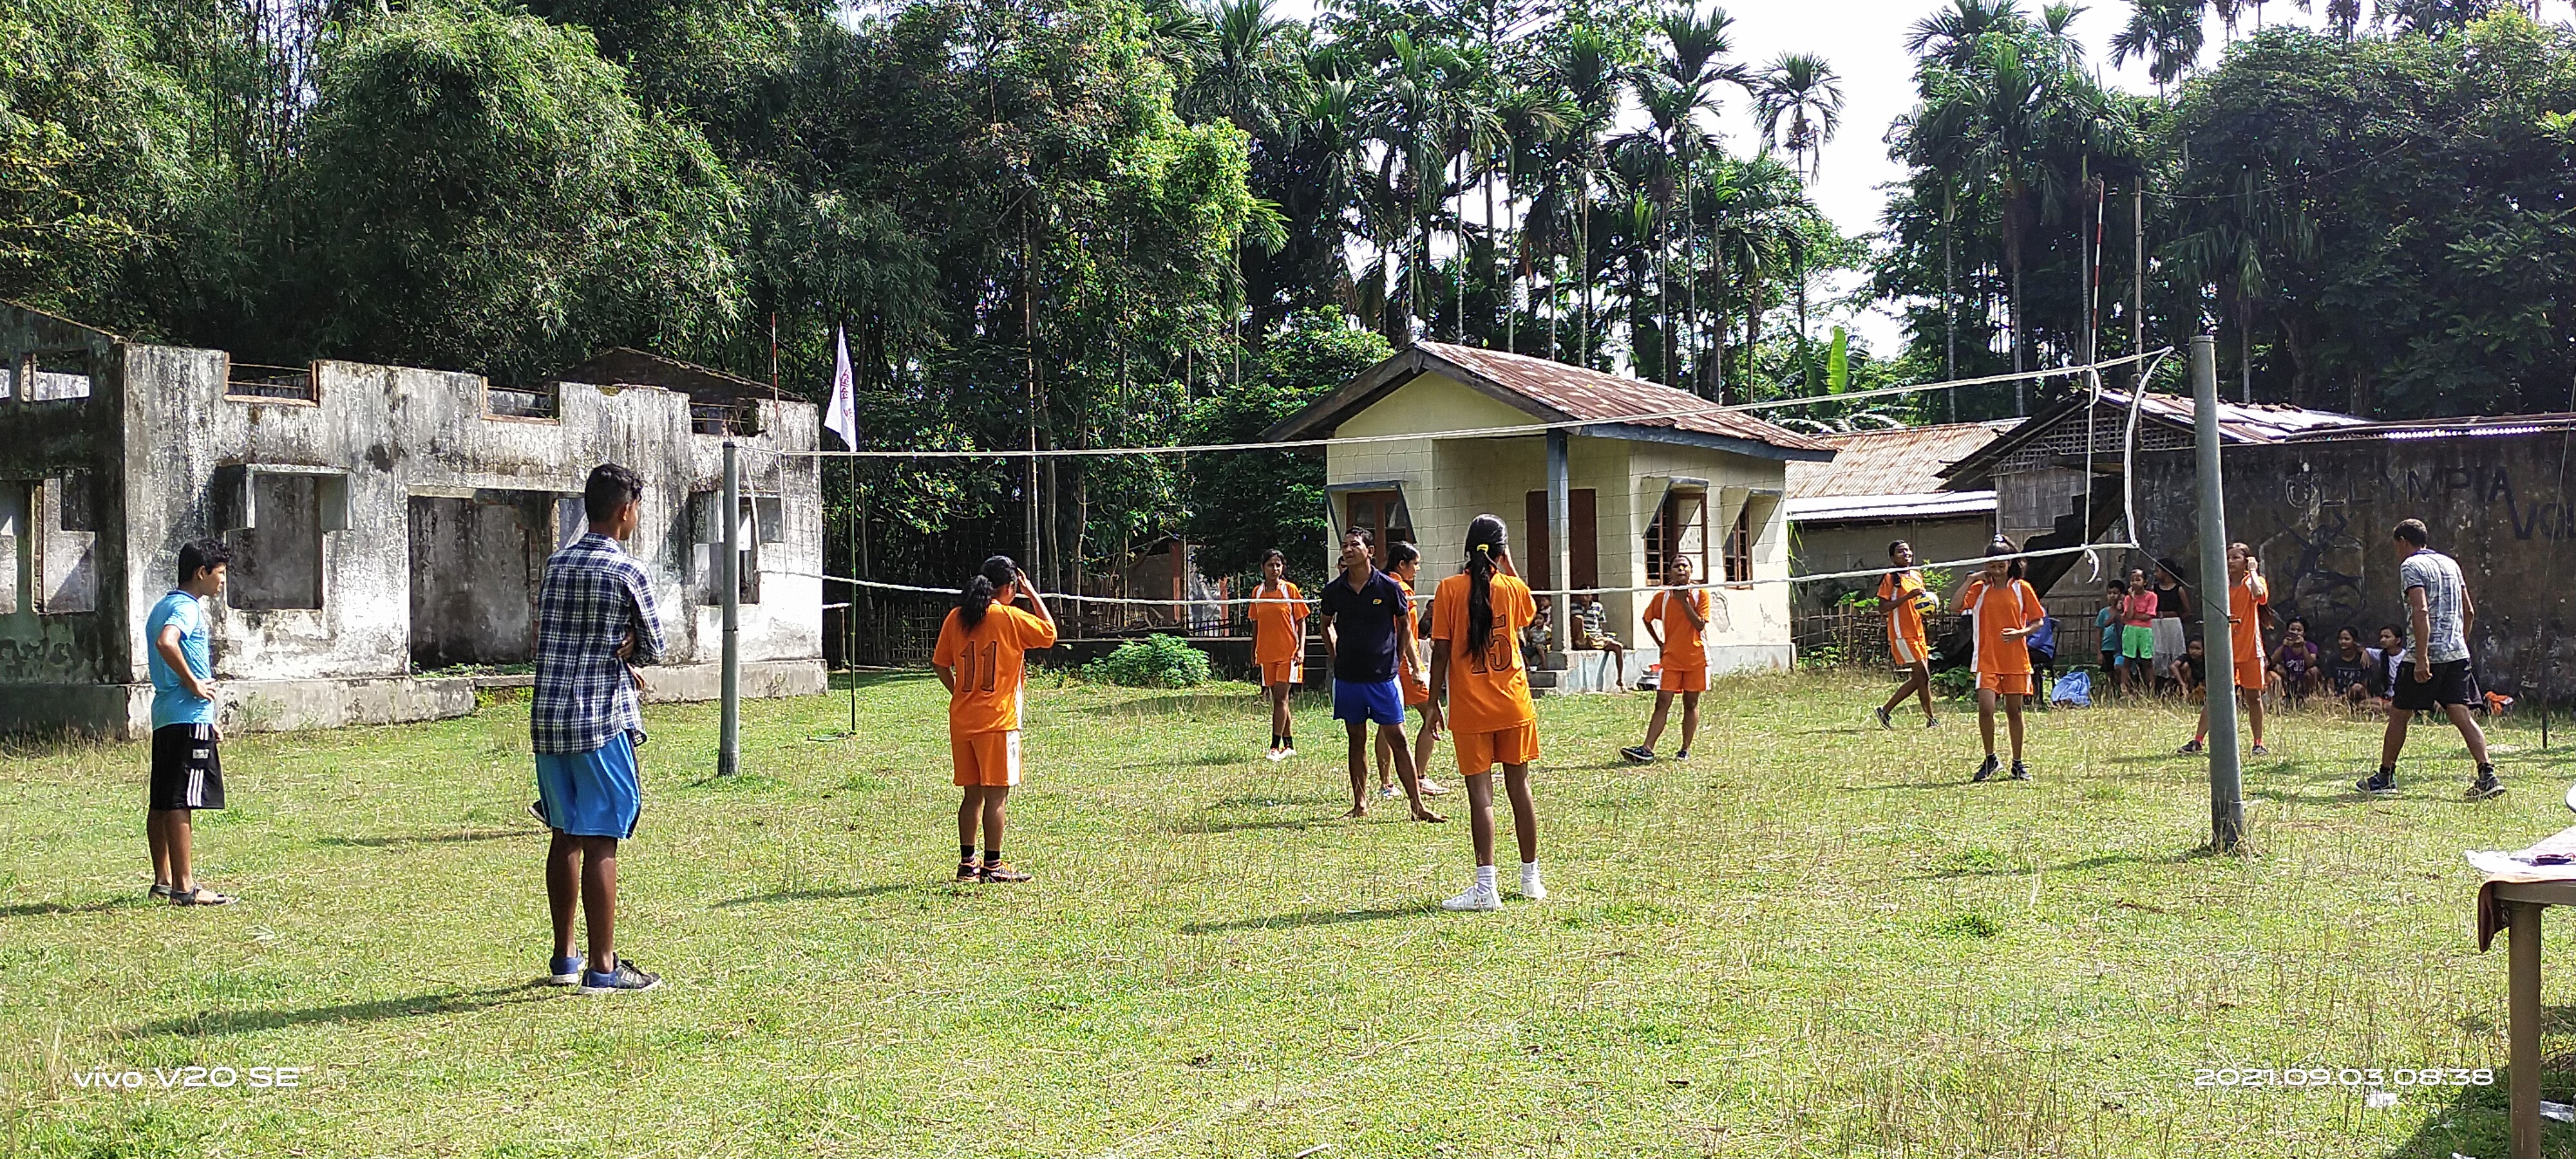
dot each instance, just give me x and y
(842, 418)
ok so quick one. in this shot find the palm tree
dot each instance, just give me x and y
(1589, 71)
(2167, 35)
(1806, 92)
(1950, 37)
(1691, 63)
(1983, 121)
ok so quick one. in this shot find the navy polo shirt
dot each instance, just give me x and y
(1364, 628)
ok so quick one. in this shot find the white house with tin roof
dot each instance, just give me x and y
(1650, 472)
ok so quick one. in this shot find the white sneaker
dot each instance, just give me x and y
(1284, 754)
(1388, 792)
(1530, 888)
(1477, 897)
(1276, 755)
(1431, 788)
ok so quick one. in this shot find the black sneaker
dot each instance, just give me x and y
(565, 971)
(537, 809)
(1681, 754)
(623, 978)
(1987, 771)
(2189, 746)
(2379, 784)
(969, 869)
(2020, 771)
(2487, 786)
(1638, 753)
(1883, 721)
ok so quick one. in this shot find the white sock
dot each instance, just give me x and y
(1484, 877)
(1529, 869)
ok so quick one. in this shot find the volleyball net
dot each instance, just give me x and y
(2123, 522)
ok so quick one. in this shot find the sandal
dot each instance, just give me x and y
(202, 896)
(969, 869)
(159, 889)
(1002, 871)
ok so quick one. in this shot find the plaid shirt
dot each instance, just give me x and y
(594, 597)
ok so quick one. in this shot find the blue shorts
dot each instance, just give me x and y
(1376, 702)
(592, 794)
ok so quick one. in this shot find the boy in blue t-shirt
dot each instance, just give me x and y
(187, 775)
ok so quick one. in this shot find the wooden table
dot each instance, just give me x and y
(2522, 903)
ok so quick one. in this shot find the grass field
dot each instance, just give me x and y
(1812, 939)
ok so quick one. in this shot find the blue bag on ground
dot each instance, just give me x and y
(2074, 689)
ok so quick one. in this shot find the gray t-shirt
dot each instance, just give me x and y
(2445, 595)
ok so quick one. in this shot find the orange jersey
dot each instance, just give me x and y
(991, 662)
(1408, 666)
(1276, 638)
(2013, 605)
(1685, 647)
(1905, 618)
(2244, 625)
(1488, 690)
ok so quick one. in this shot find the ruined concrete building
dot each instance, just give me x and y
(389, 524)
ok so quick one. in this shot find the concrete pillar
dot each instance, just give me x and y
(1560, 535)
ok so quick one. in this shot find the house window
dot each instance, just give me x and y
(1381, 514)
(13, 543)
(277, 559)
(57, 375)
(65, 539)
(1680, 529)
(1739, 547)
(750, 519)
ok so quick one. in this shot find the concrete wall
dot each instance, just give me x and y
(1448, 482)
(167, 445)
(47, 446)
(2318, 515)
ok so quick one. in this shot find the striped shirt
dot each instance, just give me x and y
(595, 597)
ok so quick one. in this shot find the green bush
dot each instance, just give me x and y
(1153, 662)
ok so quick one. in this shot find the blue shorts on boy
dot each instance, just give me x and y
(592, 794)
(1373, 701)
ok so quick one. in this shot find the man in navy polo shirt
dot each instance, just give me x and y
(1366, 618)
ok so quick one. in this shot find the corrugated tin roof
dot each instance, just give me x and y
(1897, 462)
(1856, 508)
(2254, 423)
(1582, 393)
(2483, 426)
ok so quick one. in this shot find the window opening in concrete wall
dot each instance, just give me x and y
(65, 535)
(13, 544)
(278, 559)
(1381, 513)
(57, 375)
(523, 403)
(1680, 527)
(252, 380)
(707, 573)
(477, 564)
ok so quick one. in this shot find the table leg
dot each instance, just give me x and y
(2523, 1012)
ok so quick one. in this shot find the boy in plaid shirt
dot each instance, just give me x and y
(595, 619)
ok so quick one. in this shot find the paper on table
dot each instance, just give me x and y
(2518, 864)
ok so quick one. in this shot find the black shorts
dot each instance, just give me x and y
(186, 772)
(2451, 684)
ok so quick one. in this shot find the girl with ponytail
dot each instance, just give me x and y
(2004, 608)
(1278, 614)
(982, 658)
(1476, 621)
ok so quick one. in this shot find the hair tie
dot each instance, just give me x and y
(1485, 547)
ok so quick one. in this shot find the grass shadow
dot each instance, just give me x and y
(48, 908)
(1305, 918)
(1170, 704)
(428, 838)
(866, 679)
(1205, 826)
(838, 894)
(214, 1022)
(2103, 861)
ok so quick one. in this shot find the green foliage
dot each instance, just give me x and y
(1244, 503)
(480, 190)
(1157, 661)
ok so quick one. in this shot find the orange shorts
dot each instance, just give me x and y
(1416, 694)
(2249, 676)
(1908, 650)
(1683, 680)
(1289, 672)
(2006, 683)
(1479, 752)
(986, 758)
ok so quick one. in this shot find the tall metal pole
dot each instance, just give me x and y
(2226, 773)
(729, 735)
